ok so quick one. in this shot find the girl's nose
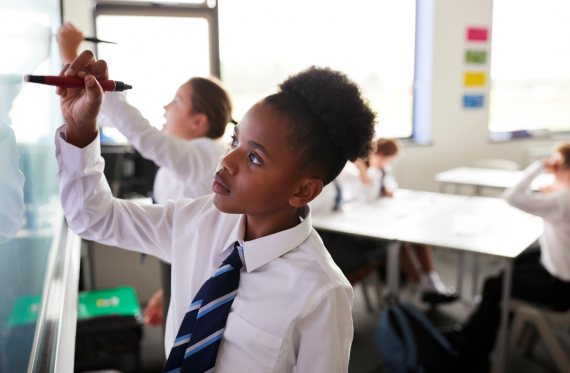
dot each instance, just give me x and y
(229, 161)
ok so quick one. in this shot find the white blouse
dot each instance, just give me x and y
(186, 166)
(554, 208)
(352, 188)
(293, 307)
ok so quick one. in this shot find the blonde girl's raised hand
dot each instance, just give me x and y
(553, 163)
(69, 38)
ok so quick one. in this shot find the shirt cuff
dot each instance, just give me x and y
(72, 157)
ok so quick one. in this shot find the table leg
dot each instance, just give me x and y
(501, 358)
(393, 270)
(364, 285)
(477, 190)
(460, 271)
(377, 284)
(475, 277)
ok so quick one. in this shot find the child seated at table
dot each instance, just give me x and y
(541, 275)
(366, 181)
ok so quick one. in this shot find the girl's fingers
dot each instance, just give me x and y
(60, 91)
(93, 89)
(65, 67)
(99, 70)
(84, 60)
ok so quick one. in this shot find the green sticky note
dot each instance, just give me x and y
(475, 56)
(119, 301)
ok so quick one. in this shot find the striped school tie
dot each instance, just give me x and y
(196, 345)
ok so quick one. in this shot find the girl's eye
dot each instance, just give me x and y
(234, 142)
(254, 159)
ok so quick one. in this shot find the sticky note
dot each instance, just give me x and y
(475, 57)
(478, 34)
(472, 101)
(474, 79)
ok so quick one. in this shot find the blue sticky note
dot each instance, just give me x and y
(472, 101)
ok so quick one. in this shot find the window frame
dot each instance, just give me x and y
(423, 48)
(149, 9)
(423, 74)
(542, 134)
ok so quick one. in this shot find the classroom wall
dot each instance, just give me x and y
(458, 136)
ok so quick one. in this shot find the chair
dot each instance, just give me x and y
(497, 164)
(359, 262)
(529, 320)
(369, 278)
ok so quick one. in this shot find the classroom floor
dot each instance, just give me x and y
(364, 355)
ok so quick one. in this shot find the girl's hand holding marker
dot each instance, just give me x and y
(80, 107)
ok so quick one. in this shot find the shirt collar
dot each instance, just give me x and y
(263, 250)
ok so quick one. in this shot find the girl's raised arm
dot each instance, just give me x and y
(89, 206)
(184, 157)
(94, 214)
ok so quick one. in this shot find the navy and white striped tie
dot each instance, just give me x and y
(196, 345)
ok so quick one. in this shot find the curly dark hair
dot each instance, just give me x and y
(331, 122)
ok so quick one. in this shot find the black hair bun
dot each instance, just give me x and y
(340, 106)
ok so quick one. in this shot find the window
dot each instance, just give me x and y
(530, 73)
(158, 49)
(373, 41)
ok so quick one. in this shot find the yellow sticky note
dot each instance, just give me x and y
(474, 79)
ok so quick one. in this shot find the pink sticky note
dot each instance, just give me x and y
(477, 34)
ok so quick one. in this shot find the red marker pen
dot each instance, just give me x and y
(73, 82)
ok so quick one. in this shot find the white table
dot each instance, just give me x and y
(484, 226)
(486, 177)
(386, 217)
(472, 224)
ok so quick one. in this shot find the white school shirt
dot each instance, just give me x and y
(293, 307)
(554, 208)
(352, 187)
(186, 166)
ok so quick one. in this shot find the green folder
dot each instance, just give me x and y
(119, 301)
(26, 310)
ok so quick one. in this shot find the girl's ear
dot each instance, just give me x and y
(200, 123)
(307, 191)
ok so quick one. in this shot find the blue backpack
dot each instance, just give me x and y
(410, 343)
